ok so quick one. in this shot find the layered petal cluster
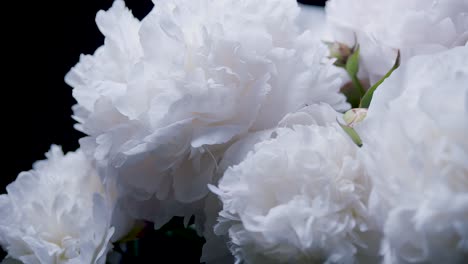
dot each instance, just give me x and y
(300, 196)
(381, 27)
(57, 212)
(417, 156)
(163, 98)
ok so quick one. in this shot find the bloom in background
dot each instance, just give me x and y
(57, 212)
(163, 98)
(416, 150)
(298, 197)
(312, 18)
(382, 27)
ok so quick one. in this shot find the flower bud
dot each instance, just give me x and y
(354, 116)
(340, 52)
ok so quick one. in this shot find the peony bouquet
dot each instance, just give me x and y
(275, 141)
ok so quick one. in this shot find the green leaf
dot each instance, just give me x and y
(367, 98)
(352, 64)
(352, 134)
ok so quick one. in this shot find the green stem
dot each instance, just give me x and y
(357, 84)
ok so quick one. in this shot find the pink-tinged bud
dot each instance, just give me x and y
(354, 116)
(340, 52)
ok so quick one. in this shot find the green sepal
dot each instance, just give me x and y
(351, 133)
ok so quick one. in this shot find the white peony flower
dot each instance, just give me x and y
(197, 76)
(384, 26)
(57, 212)
(104, 75)
(417, 154)
(299, 197)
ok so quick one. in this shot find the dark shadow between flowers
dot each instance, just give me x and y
(173, 243)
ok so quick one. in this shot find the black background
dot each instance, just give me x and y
(41, 41)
